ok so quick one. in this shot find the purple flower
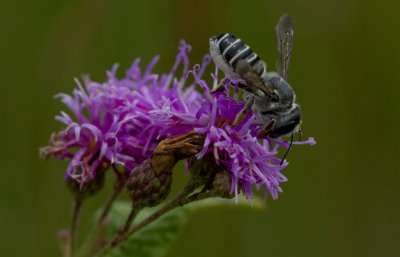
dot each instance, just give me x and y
(111, 123)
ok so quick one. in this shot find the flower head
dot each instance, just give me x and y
(111, 123)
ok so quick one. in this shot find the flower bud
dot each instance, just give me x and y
(147, 187)
(200, 170)
(87, 189)
(214, 177)
(222, 185)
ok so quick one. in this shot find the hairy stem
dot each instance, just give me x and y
(121, 235)
(74, 225)
(118, 186)
(166, 208)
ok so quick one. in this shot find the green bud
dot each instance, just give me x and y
(222, 185)
(147, 187)
(214, 177)
(200, 170)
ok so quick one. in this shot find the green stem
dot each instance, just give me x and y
(166, 208)
(122, 232)
(117, 190)
(197, 197)
(180, 200)
(74, 225)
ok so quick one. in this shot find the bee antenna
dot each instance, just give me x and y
(300, 134)
(287, 151)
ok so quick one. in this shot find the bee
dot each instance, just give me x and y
(269, 92)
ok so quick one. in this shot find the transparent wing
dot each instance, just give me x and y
(284, 39)
(253, 81)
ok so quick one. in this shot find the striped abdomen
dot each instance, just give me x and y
(227, 50)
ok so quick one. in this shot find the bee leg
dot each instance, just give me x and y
(267, 129)
(221, 86)
(182, 145)
(242, 114)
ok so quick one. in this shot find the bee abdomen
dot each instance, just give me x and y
(233, 49)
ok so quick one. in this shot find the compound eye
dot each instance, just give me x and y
(274, 97)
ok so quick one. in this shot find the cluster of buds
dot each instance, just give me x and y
(150, 183)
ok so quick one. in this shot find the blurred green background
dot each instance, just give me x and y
(342, 198)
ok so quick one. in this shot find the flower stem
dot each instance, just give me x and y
(74, 224)
(118, 186)
(180, 200)
(167, 207)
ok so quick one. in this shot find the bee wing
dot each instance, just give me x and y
(284, 35)
(253, 81)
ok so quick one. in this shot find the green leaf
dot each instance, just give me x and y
(154, 240)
